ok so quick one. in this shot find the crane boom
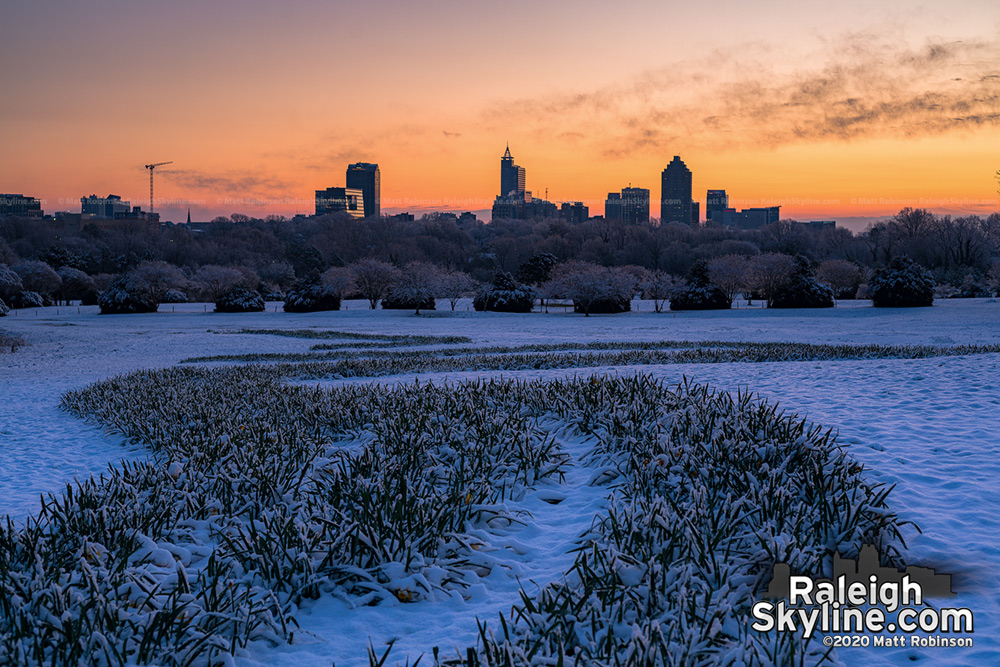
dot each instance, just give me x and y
(151, 167)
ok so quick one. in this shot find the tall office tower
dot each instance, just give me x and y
(512, 180)
(716, 202)
(635, 205)
(366, 177)
(675, 193)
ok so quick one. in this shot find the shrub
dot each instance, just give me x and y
(309, 295)
(27, 299)
(396, 301)
(240, 300)
(903, 284)
(124, 297)
(698, 292)
(174, 296)
(505, 295)
(801, 290)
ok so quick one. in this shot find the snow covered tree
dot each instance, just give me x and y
(311, 295)
(124, 296)
(504, 295)
(373, 278)
(38, 277)
(10, 282)
(698, 292)
(456, 285)
(729, 273)
(240, 300)
(801, 290)
(902, 284)
(418, 284)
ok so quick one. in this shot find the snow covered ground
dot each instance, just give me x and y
(930, 426)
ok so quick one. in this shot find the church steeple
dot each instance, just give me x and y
(189, 216)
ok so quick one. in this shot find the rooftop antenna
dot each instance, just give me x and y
(151, 167)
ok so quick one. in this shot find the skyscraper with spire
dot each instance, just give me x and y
(512, 178)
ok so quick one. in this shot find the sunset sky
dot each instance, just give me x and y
(831, 110)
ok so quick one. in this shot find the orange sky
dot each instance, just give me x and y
(831, 114)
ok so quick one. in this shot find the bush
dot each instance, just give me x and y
(3, 308)
(397, 301)
(174, 296)
(505, 295)
(26, 299)
(240, 300)
(698, 292)
(904, 284)
(802, 290)
(309, 295)
(610, 306)
(123, 297)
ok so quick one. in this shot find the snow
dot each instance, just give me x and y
(930, 426)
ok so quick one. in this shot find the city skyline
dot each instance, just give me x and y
(832, 117)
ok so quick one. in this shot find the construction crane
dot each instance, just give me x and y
(151, 167)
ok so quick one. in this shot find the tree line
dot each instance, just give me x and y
(447, 256)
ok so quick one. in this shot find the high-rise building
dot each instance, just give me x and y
(335, 200)
(716, 201)
(111, 207)
(512, 177)
(574, 211)
(630, 206)
(675, 193)
(20, 206)
(366, 177)
(748, 218)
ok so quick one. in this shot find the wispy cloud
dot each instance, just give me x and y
(861, 87)
(233, 182)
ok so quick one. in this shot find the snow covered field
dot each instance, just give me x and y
(930, 426)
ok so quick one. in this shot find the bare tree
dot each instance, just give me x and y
(418, 283)
(373, 278)
(842, 276)
(455, 285)
(155, 278)
(768, 272)
(338, 280)
(658, 287)
(588, 284)
(75, 284)
(729, 273)
(215, 281)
